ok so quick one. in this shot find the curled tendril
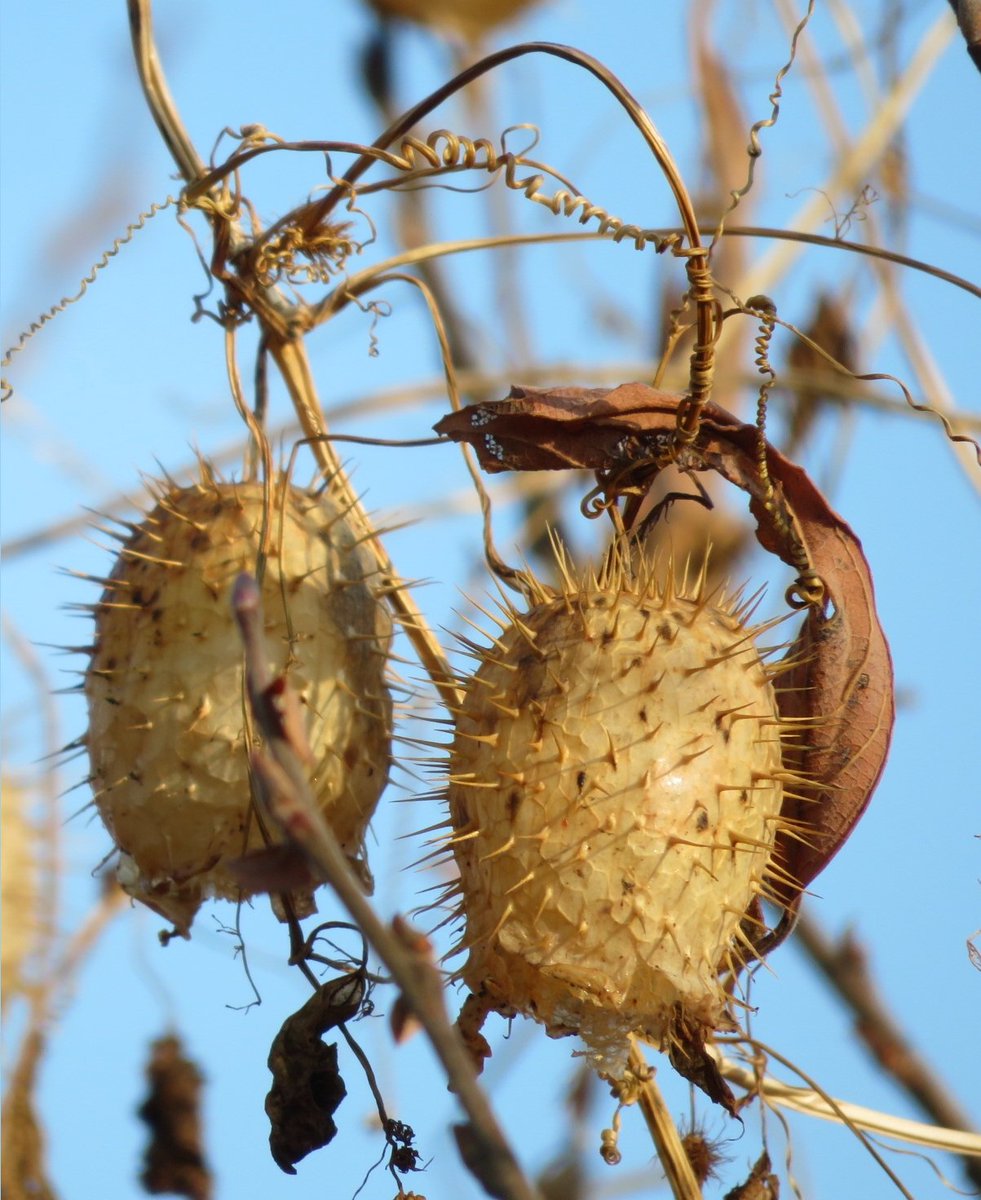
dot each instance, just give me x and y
(300, 258)
(755, 149)
(50, 314)
(807, 591)
(444, 150)
(609, 1150)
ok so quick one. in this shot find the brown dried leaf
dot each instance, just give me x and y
(307, 1087)
(761, 1184)
(538, 429)
(688, 1056)
(174, 1161)
(841, 685)
(830, 328)
(283, 868)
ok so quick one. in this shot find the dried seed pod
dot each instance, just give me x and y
(166, 739)
(615, 788)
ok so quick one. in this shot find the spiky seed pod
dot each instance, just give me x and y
(166, 737)
(614, 793)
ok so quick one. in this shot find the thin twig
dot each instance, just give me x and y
(292, 807)
(845, 966)
(814, 1104)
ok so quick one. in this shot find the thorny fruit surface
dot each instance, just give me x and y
(615, 792)
(167, 739)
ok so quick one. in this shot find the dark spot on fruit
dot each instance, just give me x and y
(350, 757)
(156, 614)
(702, 820)
(666, 631)
(200, 539)
(628, 885)
(608, 637)
(514, 800)
(643, 715)
(744, 796)
(581, 780)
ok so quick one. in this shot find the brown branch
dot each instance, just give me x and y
(664, 1133)
(285, 791)
(844, 964)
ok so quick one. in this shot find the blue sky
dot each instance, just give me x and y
(125, 380)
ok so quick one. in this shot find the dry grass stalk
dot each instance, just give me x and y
(21, 877)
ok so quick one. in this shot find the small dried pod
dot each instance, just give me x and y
(615, 788)
(168, 742)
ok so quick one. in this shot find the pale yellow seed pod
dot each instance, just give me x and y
(166, 739)
(614, 796)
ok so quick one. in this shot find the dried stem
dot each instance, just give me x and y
(845, 966)
(292, 806)
(278, 319)
(664, 1133)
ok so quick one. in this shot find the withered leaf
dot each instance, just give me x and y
(842, 684)
(174, 1162)
(831, 329)
(282, 868)
(689, 1057)
(762, 1184)
(307, 1086)
(537, 429)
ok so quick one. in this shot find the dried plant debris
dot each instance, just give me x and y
(307, 1086)
(703, 1153)
(761, 1184)
(830, 329)
(174, 1162)
(23, 1175)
